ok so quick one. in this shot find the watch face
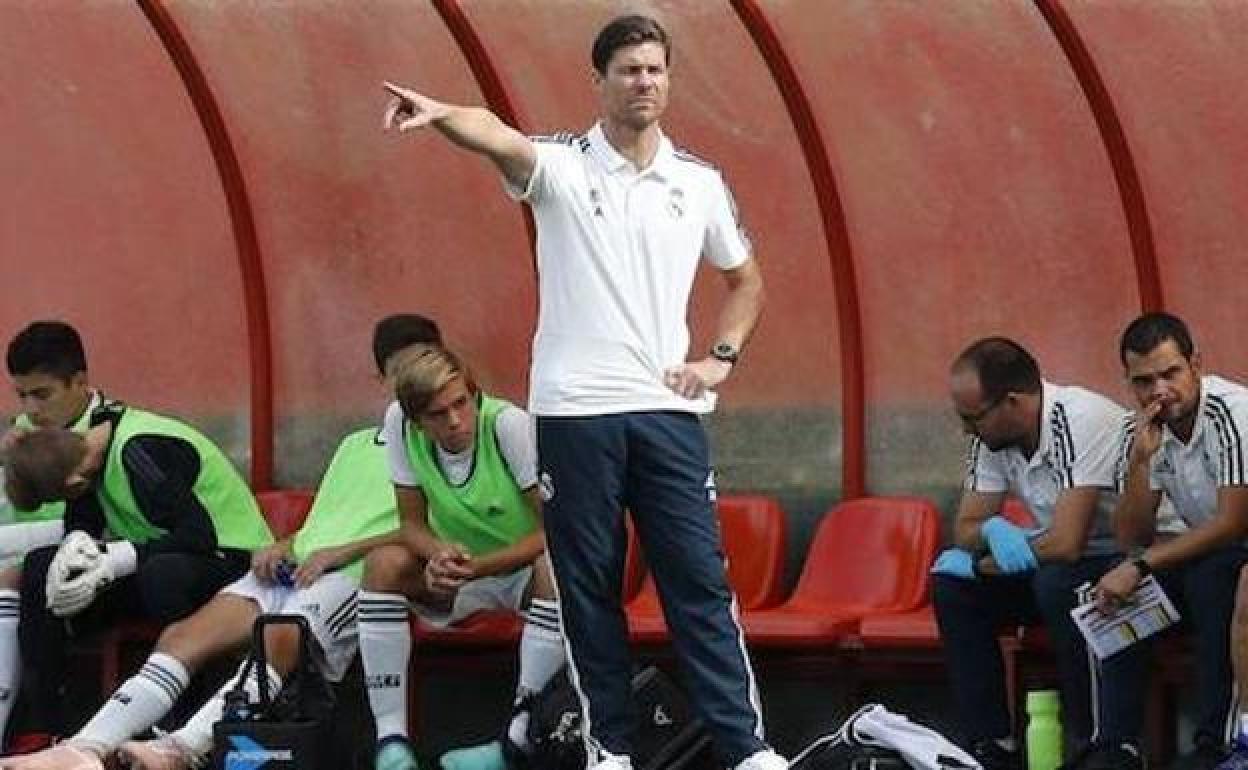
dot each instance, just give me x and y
(724, 352)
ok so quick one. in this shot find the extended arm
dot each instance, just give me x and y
(473, 128)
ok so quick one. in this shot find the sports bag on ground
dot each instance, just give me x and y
(669, 736)
(874, 738)
(277, 731)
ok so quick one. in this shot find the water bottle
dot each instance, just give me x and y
(1044, 731)
(7, 513)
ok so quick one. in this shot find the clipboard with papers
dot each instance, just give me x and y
(1147, 611)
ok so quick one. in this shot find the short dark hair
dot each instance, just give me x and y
(625, 31)
(38, 462)
(1145, 333)
(1003, 367)
(395, 332)
(47, 347)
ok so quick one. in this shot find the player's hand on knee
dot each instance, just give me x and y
(265, 561)
(317, 564)
(447, 570)
(87, 569)
(77, 553)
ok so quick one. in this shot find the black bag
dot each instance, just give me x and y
(832, 753)
(281, 731)
(669, 736)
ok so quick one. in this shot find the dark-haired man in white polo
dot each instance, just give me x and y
(623, 219)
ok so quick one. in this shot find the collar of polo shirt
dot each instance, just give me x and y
(617, 163)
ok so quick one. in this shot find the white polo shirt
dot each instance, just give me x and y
(617, 252)
(1190, 474)
(1080, 433)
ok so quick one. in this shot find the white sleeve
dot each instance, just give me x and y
(1087, 443)
(1232, 423)
(985, 471)
(550, 154)
(393, 433)
(514, 431)
(726, 245)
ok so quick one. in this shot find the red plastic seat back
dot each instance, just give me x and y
(872, 552)
(285, 509)
(1015, 511)
(754, 533)
(634, 565)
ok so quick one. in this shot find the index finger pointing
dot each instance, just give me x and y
(398, 91)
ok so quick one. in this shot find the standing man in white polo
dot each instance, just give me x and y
(623, 218)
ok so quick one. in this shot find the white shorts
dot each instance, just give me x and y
(496, 592)
(329, 605)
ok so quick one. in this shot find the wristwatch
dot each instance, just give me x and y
(1145, 569)
(724, 351)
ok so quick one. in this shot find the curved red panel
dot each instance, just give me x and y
(1102, 106)
(114, 216)
(496, 96)
(845, 285)
(1184, 116)
(254, 297)
(354, 223)
(978, 198)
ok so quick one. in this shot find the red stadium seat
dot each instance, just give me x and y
(916, 629)
(869, 556)
(754, 533)
(285, 509)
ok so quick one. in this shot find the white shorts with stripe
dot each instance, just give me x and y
(329, 605)
(496, 592)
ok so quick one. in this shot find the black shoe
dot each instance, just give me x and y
(992, 756)
(1206, 755)
(516, 757)
(1107, 756)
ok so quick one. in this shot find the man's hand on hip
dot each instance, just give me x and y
(693, 379)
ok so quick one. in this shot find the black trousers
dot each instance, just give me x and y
(971, 613)
(165, 588)
(657, 465)
(1203, 590)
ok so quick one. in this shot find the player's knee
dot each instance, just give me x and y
(1241, 599)
(385, 568)
(281, 644)
(543, 586)
(10, 578)
(177, 639)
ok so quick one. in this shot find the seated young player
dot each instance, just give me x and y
(465, 477)
(183, 524)
(314, 573)
(47, 365)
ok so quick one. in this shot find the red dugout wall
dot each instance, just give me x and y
(205, 190)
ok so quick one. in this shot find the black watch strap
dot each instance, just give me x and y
(1143, 566)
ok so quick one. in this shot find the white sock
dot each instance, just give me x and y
(196, 734)
(10, 654)
(385, 645)
(140, 702)
(541, 656)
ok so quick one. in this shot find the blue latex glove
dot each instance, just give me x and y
(956, 563)
(1010, 548)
